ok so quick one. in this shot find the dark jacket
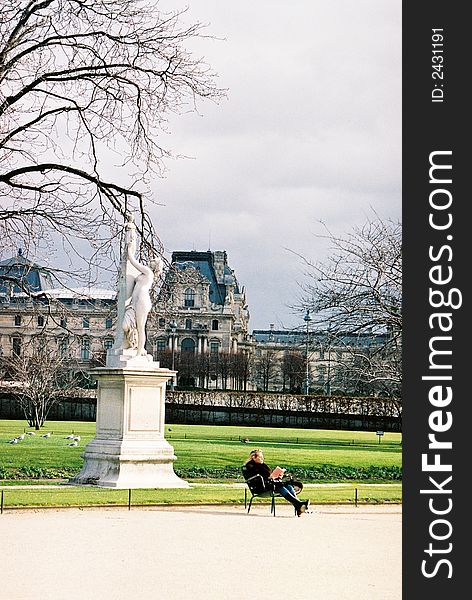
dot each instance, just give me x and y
(259, 484)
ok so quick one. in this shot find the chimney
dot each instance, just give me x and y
(219, 261)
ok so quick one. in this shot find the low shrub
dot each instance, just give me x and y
(320, 473)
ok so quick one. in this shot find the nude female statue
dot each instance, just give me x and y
(139, 280)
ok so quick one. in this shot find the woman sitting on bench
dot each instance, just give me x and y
(255, 465)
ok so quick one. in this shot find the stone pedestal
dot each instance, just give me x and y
(129, 450)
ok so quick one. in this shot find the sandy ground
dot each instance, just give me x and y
(201, 553)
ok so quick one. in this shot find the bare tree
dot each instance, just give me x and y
(293, 369)
(42, 377)
(223, 368)
(358, 291)
(241, 369)
(86, 84)
(267, 367)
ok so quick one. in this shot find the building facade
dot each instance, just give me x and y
(77, 323)
(312, 362)
(201, 319)
(199, 326)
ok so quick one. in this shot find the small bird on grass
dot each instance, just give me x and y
(30, 433)
(21, 437)
(77, 438)
(70, 437)
(73, 444)
(46, 435)
(13, 441)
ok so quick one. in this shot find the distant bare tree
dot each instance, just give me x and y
(358, 290)
(241, 370)
(223, 368)
(267, 366)
(293, 370)
(41, 378)
(85, 84)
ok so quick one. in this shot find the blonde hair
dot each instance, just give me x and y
(253, 455)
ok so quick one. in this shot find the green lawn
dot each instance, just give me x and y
(201, 494)
(217, 451)
(209, 447)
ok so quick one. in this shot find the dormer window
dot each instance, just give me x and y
(189, 297)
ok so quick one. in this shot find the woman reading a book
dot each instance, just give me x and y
(272, 479)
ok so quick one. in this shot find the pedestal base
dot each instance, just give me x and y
(129, 450)
(129, 465)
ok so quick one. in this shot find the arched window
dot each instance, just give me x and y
(188, 345)
(189, 297)
(214, 325)
(188, 323)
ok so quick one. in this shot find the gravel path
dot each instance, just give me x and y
(201, 553)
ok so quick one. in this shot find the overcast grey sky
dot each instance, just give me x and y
(310, 131)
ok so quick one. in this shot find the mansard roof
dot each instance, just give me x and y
(298, 337)
(31, 275)
(211, 265)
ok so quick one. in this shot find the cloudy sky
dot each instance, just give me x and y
(310, 132)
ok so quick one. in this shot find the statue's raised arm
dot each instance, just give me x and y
(134, 300)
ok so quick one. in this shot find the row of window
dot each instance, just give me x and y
(189, 325)
(187, 345)
(63, 322)
(64, 347)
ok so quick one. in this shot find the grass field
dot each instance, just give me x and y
(205, 447)
(201, 494)
(208, 454)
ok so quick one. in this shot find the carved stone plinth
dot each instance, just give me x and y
(129, 450)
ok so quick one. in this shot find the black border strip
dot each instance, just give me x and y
(439, 126)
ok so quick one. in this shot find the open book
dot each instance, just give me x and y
(277, 472)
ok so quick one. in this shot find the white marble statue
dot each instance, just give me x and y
(134, 301)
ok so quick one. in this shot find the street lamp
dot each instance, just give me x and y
(173, 328)
(328, 379)
(307, 320)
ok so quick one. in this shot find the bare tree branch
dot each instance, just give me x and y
(83, 82)
(358, 291)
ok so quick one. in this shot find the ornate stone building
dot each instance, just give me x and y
(199, 323)
(78, 322)
(199, 326)
(321, 362)
(201, 308)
